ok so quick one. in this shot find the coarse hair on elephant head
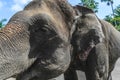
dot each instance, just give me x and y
(36, 41)
(88, 32)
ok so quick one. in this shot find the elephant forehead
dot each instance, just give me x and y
(53, 10)
(59, 25)
(54, 16)
(56, 23)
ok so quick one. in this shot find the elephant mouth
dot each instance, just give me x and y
(83, 54)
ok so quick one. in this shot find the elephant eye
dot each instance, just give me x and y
(45, 29)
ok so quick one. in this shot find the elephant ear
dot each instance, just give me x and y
(102, 31)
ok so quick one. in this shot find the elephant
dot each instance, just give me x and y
(35, 43)
(96, 47)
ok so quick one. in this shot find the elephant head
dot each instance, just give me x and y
(88, 32)
(36, 41)
(95, 44)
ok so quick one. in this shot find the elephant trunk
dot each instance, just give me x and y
(15, 46)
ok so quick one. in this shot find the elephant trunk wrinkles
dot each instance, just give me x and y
(14, 50)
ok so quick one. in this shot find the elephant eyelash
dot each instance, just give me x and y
(53, 37)
(45, 29)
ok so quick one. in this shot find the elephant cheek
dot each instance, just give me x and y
(62, 57)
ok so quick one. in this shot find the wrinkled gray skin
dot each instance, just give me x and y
(36, 41)
(96, 47)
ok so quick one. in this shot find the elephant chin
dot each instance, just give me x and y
(83, 54)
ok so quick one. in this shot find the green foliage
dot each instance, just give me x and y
(118, 27)
(117, 11)
(115, 20)
(90, 4)
(116, 16)
(110, 19)
(1, 23)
